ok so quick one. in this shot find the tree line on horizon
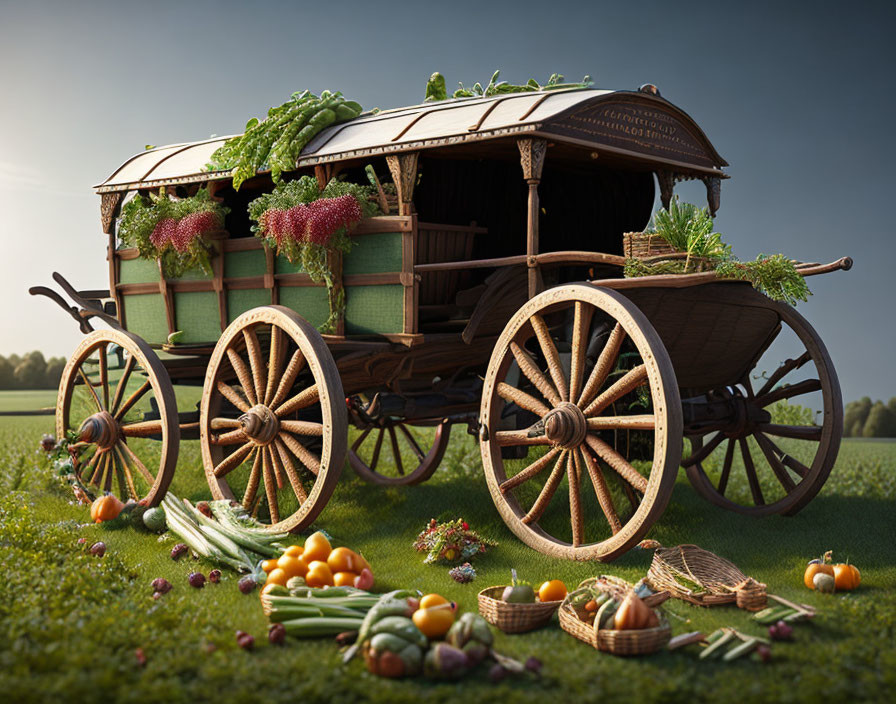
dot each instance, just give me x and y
(30, 371)
(867, 419)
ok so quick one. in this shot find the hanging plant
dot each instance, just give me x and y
(305, 224)
(173, 231)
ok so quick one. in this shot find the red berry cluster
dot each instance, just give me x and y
(313, 222)
(180, 234)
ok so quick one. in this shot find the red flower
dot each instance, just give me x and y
(192, 227)
(466, 525)
(163, 233)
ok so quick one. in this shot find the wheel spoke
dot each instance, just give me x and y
(242, 374)
(530, 471)
(279, 472)
(509, 438)
(119, 476)
(396, 452)
(231, 394)
(305, 456)
(256, 363)
(378, 445)
(233, 460)
(291, 473)
(522, 399)
(750, 469)
(575, 502)
(704, 451)
(93, 464)
(360, 439)
(630, 381)
(301, 427)
(791, 463)
(296, 362)
(549, 351)
(797, 432)
(96, 399)
(147, 475)
(604, 365)
(132, 399)
(234, 437)
(122, 383)
(580, 327)
(547, 492)
(104, 374)
(413, 441)
(600, 490)
(254, 479)
(224, 424)
(782, 371)
(635, 422)
(726, 467)
(108, 470)
(275, 359)
(774, 462)
(530, 370)
(269, 487)
(616, 462)
(299, 401)
(143, 429)
(789, 391)
(129, 478)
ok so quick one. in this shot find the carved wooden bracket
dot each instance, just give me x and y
(713, 193)
(324, 173)
(403, 168)
(109, 206)
(666, 179)
(532, 153)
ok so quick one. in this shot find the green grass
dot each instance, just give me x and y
(71, 623)
(27, 400)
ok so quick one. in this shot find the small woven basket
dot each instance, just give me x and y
(700, 577)
(629, 642)
(638, 245)
(514, 618)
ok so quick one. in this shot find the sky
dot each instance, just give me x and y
(797, 97)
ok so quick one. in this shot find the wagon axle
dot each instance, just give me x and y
(728, 411)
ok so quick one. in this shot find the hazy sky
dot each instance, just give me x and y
(797, 97)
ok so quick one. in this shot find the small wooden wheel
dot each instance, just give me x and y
(587, 365)
(768, 465)
(365, 453)
(273, 423)
(119, 406)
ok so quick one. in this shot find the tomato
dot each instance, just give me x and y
(319, 575)
(813, 569)
(268, 565)
(294, 551)
(344, 579)
(293, 566)
(846, 577)
(554, 590)
(432, 600)
(344, 560)
(317, 547)
(433, 622)
(277, 576)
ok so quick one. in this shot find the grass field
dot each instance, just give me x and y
(69, 624)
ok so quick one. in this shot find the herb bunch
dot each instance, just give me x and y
(172, 230)
(690, 229)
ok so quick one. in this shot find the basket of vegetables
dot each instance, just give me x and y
(518, 608)
(611, 615)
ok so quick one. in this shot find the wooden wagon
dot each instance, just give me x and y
(489, 295)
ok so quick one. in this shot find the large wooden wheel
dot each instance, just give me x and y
(410, 464)
(755, 463)
(586, 365)
(273, 422)
(116, 401)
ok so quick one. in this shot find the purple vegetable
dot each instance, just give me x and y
(780, 631)
(277, 634)
(197, 580)
(246, 584)
(161, 585)
(533, 664)
(497, 673)
(244, 640)
(214, 576)
(178, 551)
(764, 653)
(98, 549)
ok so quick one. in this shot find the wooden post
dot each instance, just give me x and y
(403, 168)
(532, 153)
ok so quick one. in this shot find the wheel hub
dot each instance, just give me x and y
(260, 424)
(566, 426)
(101, 429)
(726, 410)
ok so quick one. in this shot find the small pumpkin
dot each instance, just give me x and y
(846, 577)
(632, 614)
(813, 569)
(105, 508)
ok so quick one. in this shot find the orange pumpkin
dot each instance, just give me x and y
(632, 614)
(105, 508)
(846, 577)
(813, 569)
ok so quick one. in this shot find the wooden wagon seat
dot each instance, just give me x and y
(444, 243)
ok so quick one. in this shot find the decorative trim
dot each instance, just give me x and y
(403, 168)
(666, 181)
(713, 193)
(109, 208)
(532, 152)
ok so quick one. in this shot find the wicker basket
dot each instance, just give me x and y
(638, 245)
(514, 618)
(717, 580)
(629, 642)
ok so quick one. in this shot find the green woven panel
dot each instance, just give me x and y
(238, 302)
(373, 309)
(196, 274)
(374, 254)
(282, 266)
(196, 314)
(144, 314)
(308, 301)
(244, 264)
(139, 271)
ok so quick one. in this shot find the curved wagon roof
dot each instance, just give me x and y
(627, 124)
